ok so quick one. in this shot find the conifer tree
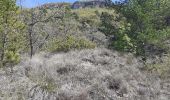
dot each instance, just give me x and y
(11, 37)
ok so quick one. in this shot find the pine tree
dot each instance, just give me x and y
(11, 37)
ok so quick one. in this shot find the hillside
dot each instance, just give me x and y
(88, 50)
(98, 74)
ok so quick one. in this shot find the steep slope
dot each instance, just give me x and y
(98, 74)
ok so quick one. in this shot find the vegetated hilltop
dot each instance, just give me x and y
(97, 74)
(68, 28)
(54, 5)
(90, 3)
(79, 4)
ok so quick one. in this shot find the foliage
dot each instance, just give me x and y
(91, 16)
(123, 43)
(147, 22)
(48, 85)
(40, 22)
(117, 26)
(11, 36)
(68, 43)
(12, 57)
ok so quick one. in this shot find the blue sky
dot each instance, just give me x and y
(33, 3)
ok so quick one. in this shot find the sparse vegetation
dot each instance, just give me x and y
(92, 73)
(91, 16)
(162, 69)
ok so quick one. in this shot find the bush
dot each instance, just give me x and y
(124, 43)
(11, 58)
(91, 16)
(69, 43)
(163, 68)
(147, 23)
(117, 26)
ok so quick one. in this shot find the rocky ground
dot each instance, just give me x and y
(98, 74)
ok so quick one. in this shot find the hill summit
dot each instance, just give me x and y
(91, 3)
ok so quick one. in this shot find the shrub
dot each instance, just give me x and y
(147, 23)
(12, 57)
(124, 43)
(160, 36)
(1, 64)
(163, 68)
(91, 16)
(69, 43)
(112, 24)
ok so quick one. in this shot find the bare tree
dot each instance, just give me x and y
(38, 16)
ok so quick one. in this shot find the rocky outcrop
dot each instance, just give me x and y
(54, 5)
(90, 3)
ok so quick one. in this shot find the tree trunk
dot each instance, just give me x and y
(31, 42)
(4, 38)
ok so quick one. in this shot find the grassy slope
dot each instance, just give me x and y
(98, 74)
(92, 15)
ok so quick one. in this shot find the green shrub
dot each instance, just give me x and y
(12, 57)
(91, 16)
(68, 43)
(112, 24)
(1, 64)
(124, 43)
(148, 24)
(48, 85)
(160, 36)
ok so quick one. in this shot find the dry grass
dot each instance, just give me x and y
(161, 67)
(98, 74)
(92, 15)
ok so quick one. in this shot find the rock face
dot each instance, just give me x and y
(90, 3)
(54, 5)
